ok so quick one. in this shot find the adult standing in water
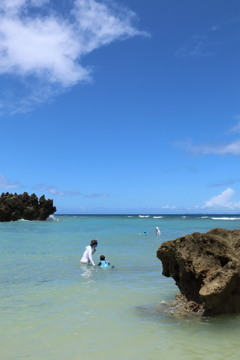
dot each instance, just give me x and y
(89, 251)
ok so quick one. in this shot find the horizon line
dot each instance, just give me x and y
(145, 214)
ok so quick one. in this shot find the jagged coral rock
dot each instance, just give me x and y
(206, 268)
(14, 207)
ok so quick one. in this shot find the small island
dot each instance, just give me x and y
(14, 207)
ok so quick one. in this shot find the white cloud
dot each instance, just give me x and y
(223, 183)
(232, 148)
(99, 24)
(94, 196)
(223, 200)
(236, 128)
(49, 46)
(6, 184)
(197, 46)
(54, 191)
(169, 207)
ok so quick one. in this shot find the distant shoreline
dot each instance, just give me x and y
(151, 215)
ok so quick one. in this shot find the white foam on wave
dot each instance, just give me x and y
(52, 218)
(157, 217)
(144, 216)
(225, 218)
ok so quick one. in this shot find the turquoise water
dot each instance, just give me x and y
(52, 307)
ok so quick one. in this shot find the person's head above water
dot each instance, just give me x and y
(102, 257)
(93, 243)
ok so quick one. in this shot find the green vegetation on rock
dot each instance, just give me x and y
(24, 206)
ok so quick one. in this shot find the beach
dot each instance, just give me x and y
(53, 307)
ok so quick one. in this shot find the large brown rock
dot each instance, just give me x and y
(206, 268)
(24, 206)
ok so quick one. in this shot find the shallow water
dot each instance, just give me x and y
(52, 307)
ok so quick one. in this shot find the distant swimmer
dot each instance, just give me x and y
(144, 233)
(89, 251)
(157, 231)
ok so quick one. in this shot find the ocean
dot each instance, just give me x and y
(54, 308)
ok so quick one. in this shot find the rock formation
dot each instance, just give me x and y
(29, 207)
(206, 268)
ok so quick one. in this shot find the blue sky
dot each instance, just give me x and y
(122, 106)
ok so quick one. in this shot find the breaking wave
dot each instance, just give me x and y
(52, 218)
(225, 218)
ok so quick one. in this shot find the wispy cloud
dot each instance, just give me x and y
(44, 46)
(231, 148)
(207, 42)
(223, 200)
(222, 183)
(7, 185)
(94, 196)
(192, 169)
(54, 191)
(169, 207)
(236, 128)
(214, 28)
(225, 148)
(196, 46)
(231, 22)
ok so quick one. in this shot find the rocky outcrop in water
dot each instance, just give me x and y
(206, 268)
(29, 207)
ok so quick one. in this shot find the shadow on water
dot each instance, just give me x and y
(156, 312)
(164, 312)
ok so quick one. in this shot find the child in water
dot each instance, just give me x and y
(103, 263)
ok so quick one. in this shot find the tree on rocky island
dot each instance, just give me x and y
(24, 206)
